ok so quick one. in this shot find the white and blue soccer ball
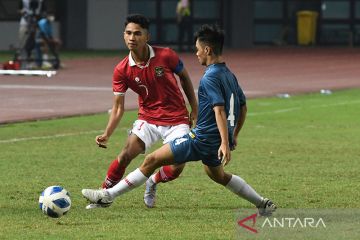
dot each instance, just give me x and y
(55, 201)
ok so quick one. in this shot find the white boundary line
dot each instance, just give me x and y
(48, 73)
(77, 88)
(13, 140)
(63, 88)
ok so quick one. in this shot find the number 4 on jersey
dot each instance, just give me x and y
(231, 116)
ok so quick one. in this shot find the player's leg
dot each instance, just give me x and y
(142, 136)
(170, 172)
(54, 45)
(133, 147)
(38, 53)
(234, 183)
(165, 173)
(238, 186)
(23, 34)
(162, 156)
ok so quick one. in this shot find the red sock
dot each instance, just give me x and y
(114, 174)
(165, 174)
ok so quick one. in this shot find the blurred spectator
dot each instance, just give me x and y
(30, 11)
(45, 43)
(183, 17)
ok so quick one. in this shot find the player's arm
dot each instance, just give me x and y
(240, 122)
(221, 122)
(188, 88)
(117, 112)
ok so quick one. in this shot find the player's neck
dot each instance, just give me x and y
(141, 56)
(214, 60)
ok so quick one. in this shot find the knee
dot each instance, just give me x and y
(150, 162)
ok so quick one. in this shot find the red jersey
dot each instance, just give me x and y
(160, 99)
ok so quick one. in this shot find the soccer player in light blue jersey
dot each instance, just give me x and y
(221, 115)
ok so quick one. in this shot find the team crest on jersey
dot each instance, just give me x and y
(137, 79)
(159, 71)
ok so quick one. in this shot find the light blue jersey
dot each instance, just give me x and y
(45, 28)
(218, 87)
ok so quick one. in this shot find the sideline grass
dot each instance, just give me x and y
(302, 152)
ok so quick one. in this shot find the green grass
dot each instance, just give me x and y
(302, 152)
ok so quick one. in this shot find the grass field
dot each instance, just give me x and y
(303, 152)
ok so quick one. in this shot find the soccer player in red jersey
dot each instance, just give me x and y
(149, 72)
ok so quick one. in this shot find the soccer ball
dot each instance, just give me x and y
(55, 201)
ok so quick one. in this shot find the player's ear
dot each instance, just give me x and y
(207, 50)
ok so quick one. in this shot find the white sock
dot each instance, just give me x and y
(131, 181)
(152, 177)
(238, 186)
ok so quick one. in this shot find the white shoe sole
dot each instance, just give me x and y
(95, 205)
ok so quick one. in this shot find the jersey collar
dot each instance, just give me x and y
(133, 63)
(208, 67)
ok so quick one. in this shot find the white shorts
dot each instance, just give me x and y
(151, 133)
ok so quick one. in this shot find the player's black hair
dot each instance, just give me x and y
(138, 19)
(211, 35)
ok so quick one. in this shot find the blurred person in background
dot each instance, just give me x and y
(30, 11)
(45, 43)
(183, 18)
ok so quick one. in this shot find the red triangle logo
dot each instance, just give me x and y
(251, 217)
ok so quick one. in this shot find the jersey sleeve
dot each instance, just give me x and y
(213, 90)
(119, 82)
(240, 93)
(175, 64)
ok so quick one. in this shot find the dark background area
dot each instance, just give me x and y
(247, 22)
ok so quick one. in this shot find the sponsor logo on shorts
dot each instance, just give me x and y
(180, 140)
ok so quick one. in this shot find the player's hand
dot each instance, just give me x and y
(193, 119)
(101, 140)
(234, 145)
(224, 154)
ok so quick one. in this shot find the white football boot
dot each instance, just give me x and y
(266, 208)
(97, 198)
